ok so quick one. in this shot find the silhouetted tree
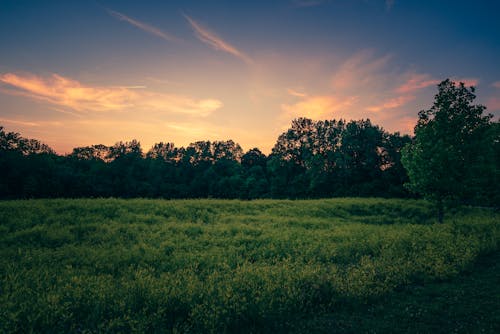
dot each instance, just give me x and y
(361, 158)
(131, 149)
(447, 152)
(94, 152)
(226, 150)
(393, 173)
(12, 141)
(252, 158)
(166, 152)
(256, 184)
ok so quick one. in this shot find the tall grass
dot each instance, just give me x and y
(109, 265)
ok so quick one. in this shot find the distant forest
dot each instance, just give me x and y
(312, 159)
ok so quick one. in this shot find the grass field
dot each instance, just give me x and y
(340, 265)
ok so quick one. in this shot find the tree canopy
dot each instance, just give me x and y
(452, 156)
(311, 159)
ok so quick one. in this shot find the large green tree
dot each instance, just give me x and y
(448, 153)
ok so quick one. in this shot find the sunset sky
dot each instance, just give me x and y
(77, 73)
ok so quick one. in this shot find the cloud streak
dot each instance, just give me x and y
(361, 69)
(416, 82)
(18, 122)
(293, 92)
(143, 26)
(212, 39)
(361, 85)
(65, 92)
(392, 103)
(317, 107)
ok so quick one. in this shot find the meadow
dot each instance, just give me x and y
(333, 265)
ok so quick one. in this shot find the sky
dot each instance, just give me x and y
(78, 73)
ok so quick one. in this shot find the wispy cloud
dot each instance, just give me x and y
(391, 103)
(389, 4)
(18, 122)
(317, 107)
(74, 114)
(216, 42)
(496, 84)
(131, 87)
(361, 69)
(143, 26)
(361, 85)
(160, 81)
(296, 93)
(69, 93)
(65, 92)
(416, 82)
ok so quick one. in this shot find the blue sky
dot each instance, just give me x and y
(75, 73)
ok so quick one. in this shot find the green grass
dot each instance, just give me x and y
(109, 265)
(469, 303)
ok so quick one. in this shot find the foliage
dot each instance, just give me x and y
(450, 156)
(111, 265)
(310, 160)
(465, 304)
(13, 142)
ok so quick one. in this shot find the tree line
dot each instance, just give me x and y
(311, 159)
(454, 156)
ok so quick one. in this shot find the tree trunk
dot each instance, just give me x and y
(440, 208)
